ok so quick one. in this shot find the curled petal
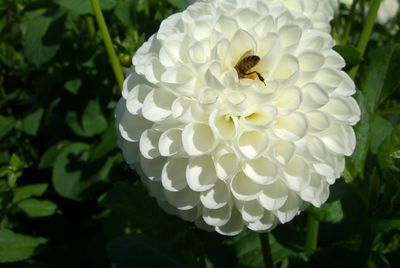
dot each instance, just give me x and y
(261, 170)
(313, 190)
(318, 121)
(170, 142)
(184, 199)
(343, 109)
(198, 139)
(243, 188)
(283, 151)
(217, 196)
(252, 144)
(131, 126)
(291, 127)
(241, 42)
(173, 176)
(234, 226)
(217, 217)
(314, 97)
(226, 163)
(260, 118)
(274, 196)
(153, 168)
(191, 214)
(136, 97)
(251, 210)
(289, 100)
(290, 35)
(157, 105)
(148, 143)
(266, 223)
(224, 126)
(296, 174)
(311, 61)
(200, 173)
(290, 209)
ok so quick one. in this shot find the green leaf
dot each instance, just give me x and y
(379, 130)
(106, 144)
(37, 208)
(350, 54)
(388, 148)
(380, 74)
(17, 247)
(83, 7)
(356, 162)
(329, 212)
(68, 169)
(30, 124)
(43, 37)
(73, 85)
(139, 251)
(48, 158)
(6, 125)
(24, 192)
(180, 4)
(248, 249)
(93, 121)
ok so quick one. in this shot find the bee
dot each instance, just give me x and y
(245, 64)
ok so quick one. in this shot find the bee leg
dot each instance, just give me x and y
(259, 76)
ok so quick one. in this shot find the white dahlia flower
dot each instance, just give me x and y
(237, 114)
(320, 12)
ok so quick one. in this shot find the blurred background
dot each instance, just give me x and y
(67, 198)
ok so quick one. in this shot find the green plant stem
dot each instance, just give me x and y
(349, 24)
(311, 234)
(90, 26)
(108, 43)
(266, 250)
(366, 33)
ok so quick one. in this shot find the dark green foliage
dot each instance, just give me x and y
(67, 198)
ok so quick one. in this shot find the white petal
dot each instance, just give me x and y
(316, 148)
(170, 142)
(227, 26)
(314, 96)
(261, 170)
(136, 97)
(184, 199)
(290, 35)
(200, 173)
(291, 127)
(149, 143)
(311, 61)
(224, 126)
(153, 168)
(273, 196)
(290, 209)
(198, 139)
(226, 163)
(157, 105)
(130, 151)
(250, 210)
(288, 100)
(131, 126)
(173, 176)
(345, 110)
(283, 151)
(234, 226)
(314, 189)
(252, 144)
(217, 196)
(297, 173)
(241, 42)
(243, 188)
(260, 118)
(217, 217)
(266, 223)
(318, 121)
(191, 214)
(287, 68)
